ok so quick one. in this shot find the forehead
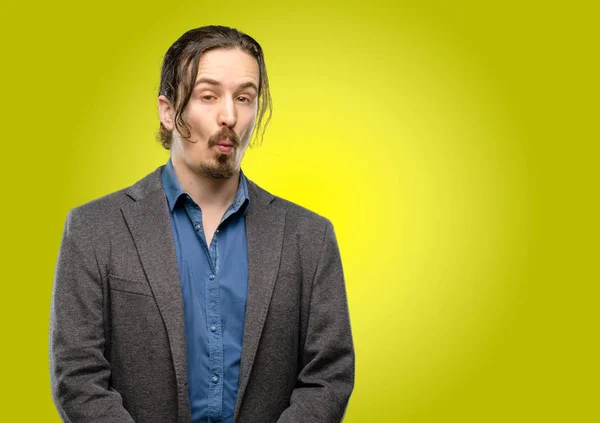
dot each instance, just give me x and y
(228, 66)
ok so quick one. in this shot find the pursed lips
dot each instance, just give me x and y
(225, 143)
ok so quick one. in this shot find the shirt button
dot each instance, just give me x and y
(198, 227)
(214, 379)
(213, 328)
(217, 230)
(212, 277)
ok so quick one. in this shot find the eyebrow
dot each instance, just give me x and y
(211, 81)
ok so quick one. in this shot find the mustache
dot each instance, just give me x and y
(224, 133)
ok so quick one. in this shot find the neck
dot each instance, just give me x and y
(207, 192)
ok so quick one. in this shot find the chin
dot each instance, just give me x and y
(218, 169)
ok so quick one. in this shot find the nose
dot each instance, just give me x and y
(227, 114)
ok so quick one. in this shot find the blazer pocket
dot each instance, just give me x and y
(117, 283)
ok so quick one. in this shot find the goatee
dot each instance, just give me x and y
(222, 168)
(224, 165)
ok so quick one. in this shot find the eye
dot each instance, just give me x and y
(207, 97)
(244, 100)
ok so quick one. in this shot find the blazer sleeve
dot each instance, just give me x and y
(79, 371)
(326, 378)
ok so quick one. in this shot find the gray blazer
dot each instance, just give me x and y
(117, 336)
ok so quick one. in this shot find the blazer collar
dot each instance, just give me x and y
(149, 223)
(264, 232)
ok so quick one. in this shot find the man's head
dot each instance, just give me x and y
(213, 92)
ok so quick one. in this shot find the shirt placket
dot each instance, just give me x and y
(213, 318)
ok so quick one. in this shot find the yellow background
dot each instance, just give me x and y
(452, 144)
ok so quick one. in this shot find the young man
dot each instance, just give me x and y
(195, 295)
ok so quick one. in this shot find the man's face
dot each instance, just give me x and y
(221, 114)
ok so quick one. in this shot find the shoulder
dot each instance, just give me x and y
(298, 218)
(103, 211)
(100, 207)
(301, 215)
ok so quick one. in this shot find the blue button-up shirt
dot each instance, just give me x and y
(214, 283)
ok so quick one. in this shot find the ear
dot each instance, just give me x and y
(166, 112)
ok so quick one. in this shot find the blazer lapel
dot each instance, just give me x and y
(148, 220)
(264, 232)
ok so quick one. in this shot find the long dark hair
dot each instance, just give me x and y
(180, 67)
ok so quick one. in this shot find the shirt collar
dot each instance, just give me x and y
(174, 191)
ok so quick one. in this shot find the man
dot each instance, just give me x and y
(195, 295)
